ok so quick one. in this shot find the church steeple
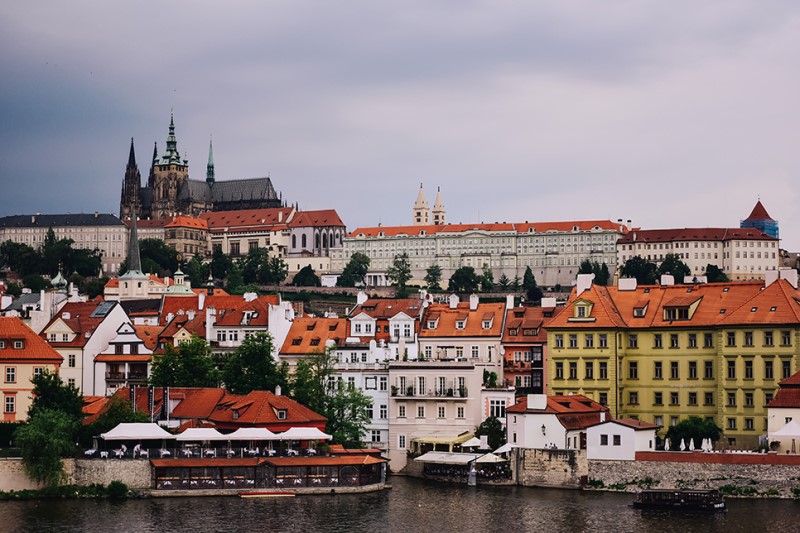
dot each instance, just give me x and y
(132, 157)
(438, 209)
(210, 165)
(131, 185)
(134, 257)
(421, 211)
(172, 155)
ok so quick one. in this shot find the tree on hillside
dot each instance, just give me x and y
(250, 264)
(673, 266)
(487, 279)
(157, 258)
(600, 271)
(532, 291)
(503, 283)
(273, 271)
(715, 275)
(644, 271)
(189, 365)
(345, 407)
(399, 274)
(433, 278)
(95, 287)
(355, 271)
(252, 366)
(235, 279)
(464, 280)
(306, 278)
(197, 271)
(51, 393)
(220, 263)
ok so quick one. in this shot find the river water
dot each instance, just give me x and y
(411, 505)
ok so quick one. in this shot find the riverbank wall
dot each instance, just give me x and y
(757, 475)
(549, 468)
(135, 473)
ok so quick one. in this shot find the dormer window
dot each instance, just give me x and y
(236, 414)
(431, 324)
(19, 344)
(460, 324)
(281, 414)
(676, 313)
(513, 332)
(357, 328)
(2, 345)
(315, 342)
(297, 341)
(639, 312)
(487, 324)
(580, 311)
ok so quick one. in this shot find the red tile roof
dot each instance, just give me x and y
(573, 412)
(123, 358)
(148, 334)
(325, 217)
(93, 407)
(635, 424)
(309, 335)
(389, 307)
(473, 327)
(34, 349)
(80, 322)
(183, 221)
(176, 304)
(788, 394)
(114, 282)
(759, 213)
(519, 227)
(260, 409)
(521, 319)
(347, 460)
(693, 234)
(146, 224)
(252, 218)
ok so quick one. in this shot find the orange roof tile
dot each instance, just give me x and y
(759, 212)
(517, 227)
(183, 221)
(34, 347)
(693, 234)
(309, 335)
(260, 409)
(521, 319)
(389, 307)
(247, 217)
(324, 217)
(148, 334)
(473, 327)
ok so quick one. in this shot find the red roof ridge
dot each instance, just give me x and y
(759, 212)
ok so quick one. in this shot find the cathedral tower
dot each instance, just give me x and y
(169, 175)
(131, 185)
(438, 209)
(421, 211)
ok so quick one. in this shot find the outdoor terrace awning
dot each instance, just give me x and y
(303, 434)
(447, 458)
(252, 434)
(200, 434)
(137, 431)
(441, 437)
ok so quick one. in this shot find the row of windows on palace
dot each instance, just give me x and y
(702, 255)
(768, 340)
(677, 245)
(674, 369)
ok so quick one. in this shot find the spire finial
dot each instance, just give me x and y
(131, 156)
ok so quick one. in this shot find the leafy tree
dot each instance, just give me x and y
(674, 266)
(235, 279)
(160, 254)
(251, 264)
(694, 427)
(400, 272)
(35, 282)
(355, 271)
(51, 393)
(586, 267)
(487, 279)
(346, 408)
(77, 281)
(14, 289)
(252, 366)
(637, 267)
(197, 271)
(532, 291)
(433, 278)
(189, 365)
(516, 283)
(220, 263)
(464, 280)
(273, 271)
(604, 276)
(20, 258)
(43, 441)
(306, 278)
(95, 287)
(601, 272)
(85, 262)
(492, 427)
(119, 410)
(715, 275)
(504, 283)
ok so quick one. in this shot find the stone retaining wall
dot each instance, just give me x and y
(775, 480)
(137, 474)
(549, 468)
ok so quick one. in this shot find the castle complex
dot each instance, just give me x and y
(169, 191)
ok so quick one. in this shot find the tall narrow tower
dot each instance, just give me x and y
(439, 218)
(169, 175)
(210, 165)
(131, 185)
(422, 214)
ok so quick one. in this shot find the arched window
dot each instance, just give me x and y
(316, 241)
(304, 240)
(294, 241)
(324, 240)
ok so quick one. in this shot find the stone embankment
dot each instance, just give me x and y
(136, 474)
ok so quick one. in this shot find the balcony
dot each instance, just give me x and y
(454, 393)
(394, 339)
(362, 366)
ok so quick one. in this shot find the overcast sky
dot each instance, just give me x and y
(671, 114)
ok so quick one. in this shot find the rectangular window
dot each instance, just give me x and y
(10, 405)
(589, 340)
(428, 352)
(603, 440)
(692, 369)
(708, 367)
(732, 369)
(673, 421)
(673, 398)
(657, 370)
(748, 424)
(731, 423)
(71, 360)
(657, 342)
(786, 338)
(573, 370)
(692, 340)
(748, 369)
(401, 442)
(708, 398)
(573, 341)
(497, 408)
(602, 340)
(559, 340)
(589, 370)
(708, 340)
(633, 370)
(731, 338)
(769, 371)
(460, 412)
(475, 351)
(603, 370)
(786, 367)
(440, 411)
(748, 399)
(559, 370)
(71, 382)
(658, 398)
(383, 412)
(673, 370)
(633, 398)
(602, 398)
(692, 398)
(11, 374)
(768, 341)
(617, 440)
(748, 338)
(633, 340)
(401, 411)
(383, 383)
(731, 399)
(673, 340)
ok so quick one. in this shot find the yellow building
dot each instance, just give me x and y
(664, 353)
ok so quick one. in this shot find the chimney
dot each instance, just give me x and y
(277, 390)
(621, 227)
(790, 275)
(211, 320)
(473, 302)
(280, 219)
(509, 301)
(201, 301)
(361, 297)
(626, 284)
(602, 416)
(249, 296)
(453, 301)
(667, 279)
(537, 402)
(584, 283)
(191, 314)
(630, 226)
(170, 316)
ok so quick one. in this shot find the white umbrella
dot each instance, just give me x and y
(666, 445)
(683, 445)
(490, 458)
(505, 448)
(691, 444)
(471, 443)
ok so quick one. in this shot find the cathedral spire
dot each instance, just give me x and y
(172, 155)
(438, 209)
(210, 165)
(132, 157)
(421, 212)
(134, 257)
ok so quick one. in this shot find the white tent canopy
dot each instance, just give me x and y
(303, 434)
(252, 434)
(490, 458)
(137, 431)
(790, 430)
(201, 434)
(471, 443)
(505, 448)
(448, 458)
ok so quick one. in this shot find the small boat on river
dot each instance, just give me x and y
(680, 500)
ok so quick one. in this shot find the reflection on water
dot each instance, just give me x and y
(412, 505)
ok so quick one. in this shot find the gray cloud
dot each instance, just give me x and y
(670, 114)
